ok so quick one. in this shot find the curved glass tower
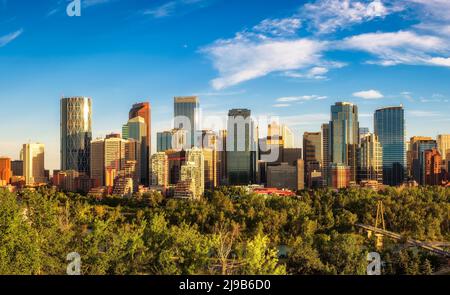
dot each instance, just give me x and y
(76, 134)
(344, 136)
(389, 126)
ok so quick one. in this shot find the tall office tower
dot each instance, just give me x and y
(222, 148)
(418, 157)
(176, 160)
(363, 131)
(242, 150)
(389, 126)
(5, 171)
(114, 157)
(344, 136)
(312, 152)
(209, 143)
(163, 141)
(76, 133)
(196, 157)
(339, 175)
(159, 172)
(98, 162)
(370, 159)
(411, 155)
(144, 111)
(33, 163)
(443, 141)
(280, 134)
(17, 168)
(325, 153)
(186, 116)
(137, 130)
(432, 167)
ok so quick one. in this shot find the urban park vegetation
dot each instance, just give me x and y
(230, 231)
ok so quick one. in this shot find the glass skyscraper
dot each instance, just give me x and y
(241, 148)
(76, 134)
(389, 126)
(186, 112)
(344, 136)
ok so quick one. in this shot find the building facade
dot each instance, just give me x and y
(76, 133)
(186, 116)
(344, 136)
(389, 126)
(5, 171)
(159, 172)
(34, 163)
(370, 159)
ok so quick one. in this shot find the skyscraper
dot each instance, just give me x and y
(33, 163)
(370, 159)
(280, 134)
(344, 136)
(389, 126)
(186, 112)
(76, 133)
(164, 141)
(5, 171)
(137, 130)
(443, 141)
(142, 110)
(196, 157)
(325, 153)
(241, 147)
(312, 152)
(418, 149)
(159, 170)
(432, 167)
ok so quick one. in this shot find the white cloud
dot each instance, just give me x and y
(327, 16)
(243, 58)
(402, 47)
(279, 27)
(175, 6)
(369, 94)
(440, 61)
(300, 98)
(281, 105)
(4, 40)
(421, 113)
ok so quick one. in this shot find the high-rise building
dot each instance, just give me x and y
(176, 160)
(163, 141)
(390, 129)
(211, 168)
(411, 155)
(432, 167)
(286, 176)
(418, 149)
(17, 168)
(144, 111)
(159, 172)
(5, 171)
(137, 130)
(186, 116)
(280, 134)
(76, 133)
(344, 136)
(98, 162)
(370, 159)
(312, 153)
(340, 176)
(443, 141)
(242, 152)
(222, 149)
(196, 157)
(325, 153)
(33, 163)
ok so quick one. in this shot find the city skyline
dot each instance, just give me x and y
(156, 59)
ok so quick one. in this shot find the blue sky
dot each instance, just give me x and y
(291, 59)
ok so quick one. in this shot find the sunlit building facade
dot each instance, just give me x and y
(159, 172)
(389, 126)
(33, 163)
(5, 171)
(344, 136)
(370, 159)
(76, 133)
(186, 116)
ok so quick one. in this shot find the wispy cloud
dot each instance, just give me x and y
(4, 40)
(369, 94)
(301, 98)
(173, 7)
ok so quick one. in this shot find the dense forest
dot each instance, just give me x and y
(230, 231)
